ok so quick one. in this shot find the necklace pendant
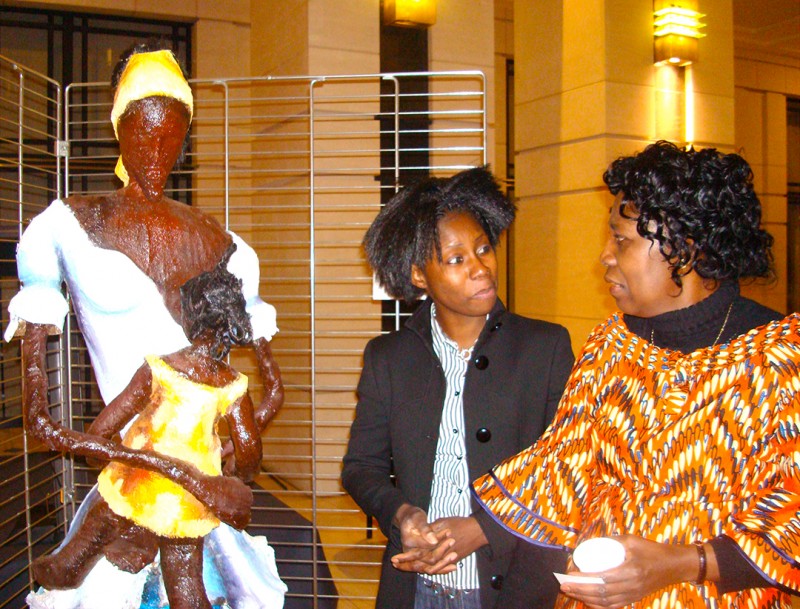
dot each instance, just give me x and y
(719, 334)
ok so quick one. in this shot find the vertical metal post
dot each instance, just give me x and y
(226, 144)
(483, 115)
(65, 370)
(312, 285)
(396, 112)
(20, 195)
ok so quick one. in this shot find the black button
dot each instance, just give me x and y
(497, 326)
(483, 435)
(497, 581)
(481, 362)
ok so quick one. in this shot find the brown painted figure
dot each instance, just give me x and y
(176, 401)
(124, 257)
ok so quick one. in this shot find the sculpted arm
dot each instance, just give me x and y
(124, 407)
(261, 416)
(229, 498)
(273, 385)
(246, 439)
(245, 265)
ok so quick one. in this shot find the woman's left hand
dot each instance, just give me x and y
(649, 566)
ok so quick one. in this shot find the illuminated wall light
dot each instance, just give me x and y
(409, 13)
(676, 30)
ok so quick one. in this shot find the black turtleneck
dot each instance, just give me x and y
(697, 327)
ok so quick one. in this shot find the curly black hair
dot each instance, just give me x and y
(699, 206)
(214, 301)
(405, 232)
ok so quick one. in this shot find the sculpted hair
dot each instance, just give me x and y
(405, 231)
(699, 206)
(214, 301)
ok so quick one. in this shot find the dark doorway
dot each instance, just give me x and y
(403, 49)
(793, 207)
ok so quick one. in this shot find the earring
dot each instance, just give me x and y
(686, 267)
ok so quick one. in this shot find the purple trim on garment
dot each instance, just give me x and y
(535, 516)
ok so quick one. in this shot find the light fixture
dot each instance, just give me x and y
(409, 13)
(676, 32)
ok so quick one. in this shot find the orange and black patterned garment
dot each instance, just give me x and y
(675, 448)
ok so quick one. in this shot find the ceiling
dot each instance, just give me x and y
(768, 26)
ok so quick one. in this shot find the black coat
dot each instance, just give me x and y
(518, 371)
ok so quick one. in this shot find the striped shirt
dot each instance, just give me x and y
(450, 490)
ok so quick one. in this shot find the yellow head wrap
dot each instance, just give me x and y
(147, 75)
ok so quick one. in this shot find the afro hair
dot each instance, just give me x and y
(405, 232)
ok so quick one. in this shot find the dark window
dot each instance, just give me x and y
(84, 48)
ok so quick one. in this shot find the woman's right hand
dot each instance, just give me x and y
(649, 566)
(424, 550)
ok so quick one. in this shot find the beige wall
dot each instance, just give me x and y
(560, 120)
(279, 47)
(587, 92)
(504, 51)
(762, 86)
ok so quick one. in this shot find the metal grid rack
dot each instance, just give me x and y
(31, 480)
(298, 166)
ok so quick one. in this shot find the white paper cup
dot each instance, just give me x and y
(598, 554)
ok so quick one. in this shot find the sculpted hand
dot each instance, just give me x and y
(230, 499)
(648, 567)
(424, 550)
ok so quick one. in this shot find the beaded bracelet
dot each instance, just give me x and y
(701, 555)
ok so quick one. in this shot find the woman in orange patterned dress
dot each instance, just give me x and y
(678, 430)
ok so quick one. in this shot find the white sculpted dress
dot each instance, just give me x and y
(122, 317)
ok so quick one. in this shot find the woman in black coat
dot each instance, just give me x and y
(463, 384)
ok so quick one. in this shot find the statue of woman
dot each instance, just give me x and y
(176, 401)
(124, 257)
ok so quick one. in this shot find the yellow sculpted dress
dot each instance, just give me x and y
(181, 422)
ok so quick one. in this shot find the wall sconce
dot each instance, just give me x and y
(409, 13)
(676, 32)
